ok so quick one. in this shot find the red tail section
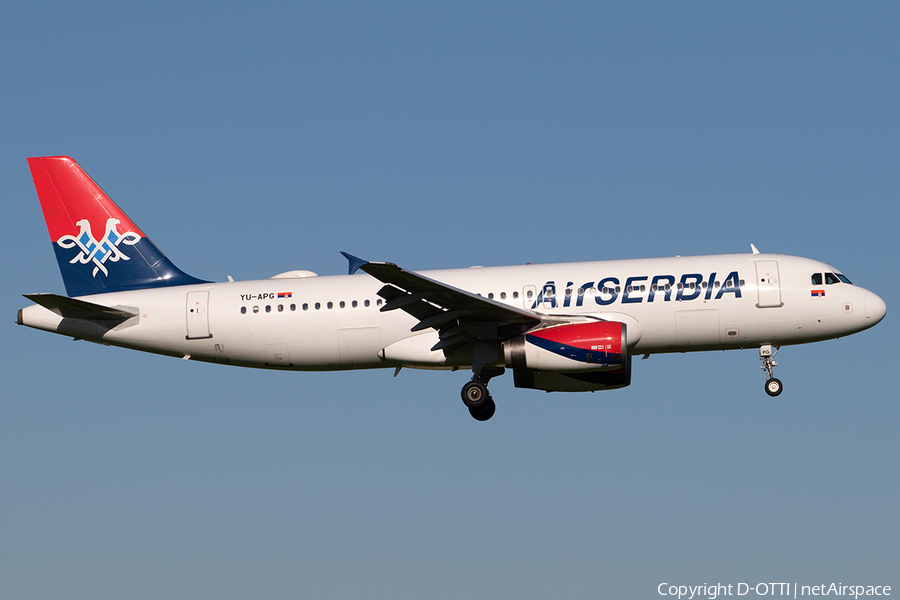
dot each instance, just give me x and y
(98, 248)
(68, 195)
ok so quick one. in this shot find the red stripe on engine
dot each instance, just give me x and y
(585, 335)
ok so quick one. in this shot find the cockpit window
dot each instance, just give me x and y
(831, 278)
(844, 279)
(817, 279)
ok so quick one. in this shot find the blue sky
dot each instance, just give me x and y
(247, 140)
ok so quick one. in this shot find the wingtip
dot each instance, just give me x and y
(356, 263)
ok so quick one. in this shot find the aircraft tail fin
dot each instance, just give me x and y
(98, 248)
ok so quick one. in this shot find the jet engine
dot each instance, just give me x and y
(572, 348)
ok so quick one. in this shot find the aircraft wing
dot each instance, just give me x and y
(459, 316)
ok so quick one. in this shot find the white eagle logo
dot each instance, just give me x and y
(96, 251)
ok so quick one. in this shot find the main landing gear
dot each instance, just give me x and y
(773, 385)
(476, 396)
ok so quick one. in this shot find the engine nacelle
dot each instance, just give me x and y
(591, 381)
(573, 348)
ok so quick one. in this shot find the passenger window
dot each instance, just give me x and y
(365, 303)
(817, 279)
(318, 305)
(268, 308)
(255, 309)
(243, 310)
(831, 278)
(330, 305)
(503, 295)
(515, 294)
(354, 304)
(293, 307)
(378, 302)
(305, 306)
(281, 308)
(343, 304)
(529, 294)
(491, 295)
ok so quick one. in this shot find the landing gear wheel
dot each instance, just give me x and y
(485, 411)
(475, 395)
(773, 386)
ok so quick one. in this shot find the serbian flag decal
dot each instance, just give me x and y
(818, 293)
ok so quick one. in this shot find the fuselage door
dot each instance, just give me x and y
(198, 316)
(697, 328)
(528, 294)
(767, 284)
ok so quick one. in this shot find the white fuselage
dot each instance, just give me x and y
(674, 304)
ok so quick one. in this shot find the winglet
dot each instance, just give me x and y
(356, 263)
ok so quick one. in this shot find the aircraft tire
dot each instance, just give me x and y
(485, 411)
(774, 387)
(475, 395)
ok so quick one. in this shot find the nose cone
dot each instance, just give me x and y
(875, 309)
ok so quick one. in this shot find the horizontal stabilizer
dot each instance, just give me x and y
(70, 308)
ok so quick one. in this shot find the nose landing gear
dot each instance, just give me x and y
(773, 385)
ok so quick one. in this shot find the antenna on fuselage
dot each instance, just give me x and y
(755, 251)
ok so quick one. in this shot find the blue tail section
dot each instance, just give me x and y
(76, 210)
(139, 266)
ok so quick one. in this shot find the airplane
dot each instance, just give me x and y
(566, 327)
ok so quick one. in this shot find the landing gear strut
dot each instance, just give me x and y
(773, 385)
